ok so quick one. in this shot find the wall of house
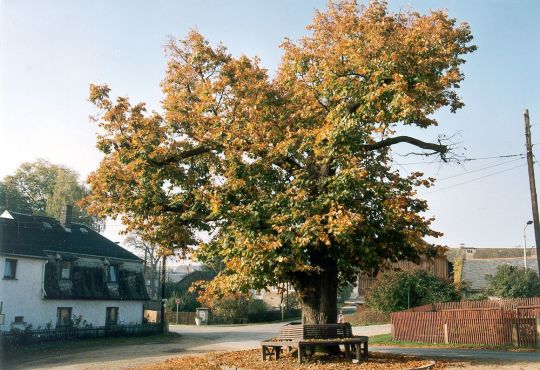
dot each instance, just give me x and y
(23, 296)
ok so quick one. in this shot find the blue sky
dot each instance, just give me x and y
(50, 51)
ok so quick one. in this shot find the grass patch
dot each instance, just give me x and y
(387, 340)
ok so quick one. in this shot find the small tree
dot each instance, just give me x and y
(513, 282)
(150, 253)
(399, 290)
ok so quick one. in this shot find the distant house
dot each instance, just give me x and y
(179, 272)
(56, 271)
(473, 264)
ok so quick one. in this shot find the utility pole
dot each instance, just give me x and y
(163, 299)
(532, 185)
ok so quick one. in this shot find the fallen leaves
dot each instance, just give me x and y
(251, 360)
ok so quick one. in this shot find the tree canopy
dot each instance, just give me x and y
(290, 174)
(513, 282)
(42, 188)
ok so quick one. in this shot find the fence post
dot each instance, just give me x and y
(515, 341)
(445, 333)
(537, 331)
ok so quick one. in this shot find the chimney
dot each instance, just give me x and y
(66, 216)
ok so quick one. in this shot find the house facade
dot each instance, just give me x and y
(58, 273)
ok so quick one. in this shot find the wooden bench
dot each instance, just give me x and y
(311, 336)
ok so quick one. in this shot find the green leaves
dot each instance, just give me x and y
(513, 282)
(397, 291)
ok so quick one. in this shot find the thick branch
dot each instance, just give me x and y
(202, 149)
(437, 148)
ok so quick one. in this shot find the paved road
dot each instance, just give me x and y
(227, 338)
(192, 340)
(204, 339)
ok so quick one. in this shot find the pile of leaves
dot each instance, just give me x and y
(251, 359)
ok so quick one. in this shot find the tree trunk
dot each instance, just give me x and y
(317, 294)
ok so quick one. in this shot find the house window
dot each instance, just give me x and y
(10, 269)
(112, 316)
(66, 270)
(112, 273)
(19, 319)
(63, 315)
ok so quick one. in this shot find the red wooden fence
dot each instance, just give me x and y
(481, 322)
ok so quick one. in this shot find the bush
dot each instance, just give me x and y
(230, 309)
(513, 282)
(399, 290)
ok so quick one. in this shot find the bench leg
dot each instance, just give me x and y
(347, 351)
(264, 353)
(300, 349)
(358, 352)
(278, 352)
(365, 351)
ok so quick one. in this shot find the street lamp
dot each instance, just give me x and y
(525, 243)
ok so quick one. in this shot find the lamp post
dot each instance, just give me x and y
(525, 243)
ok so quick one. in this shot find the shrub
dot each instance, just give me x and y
(230, 309)
(399, 290)
(513, 282)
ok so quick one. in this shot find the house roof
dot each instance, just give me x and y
(475, 270)
(484, 253)
(487, 253)
(30, 235)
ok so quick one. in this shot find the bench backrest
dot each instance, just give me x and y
(315, 331)
(327, 331)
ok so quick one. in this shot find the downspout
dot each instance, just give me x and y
(43, 279)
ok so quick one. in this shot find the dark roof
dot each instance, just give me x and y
(30, 235)
(482, 253)
(487, 253)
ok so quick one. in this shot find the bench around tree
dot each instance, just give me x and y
(309, 336)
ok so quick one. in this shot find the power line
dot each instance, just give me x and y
(476, 179)
(468, 159)
(479, 169)
(499, 156)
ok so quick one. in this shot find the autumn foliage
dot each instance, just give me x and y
(291, 174)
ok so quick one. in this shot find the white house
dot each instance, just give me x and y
(56, 271)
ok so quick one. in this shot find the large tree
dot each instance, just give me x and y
(292, 174)
(42, 188)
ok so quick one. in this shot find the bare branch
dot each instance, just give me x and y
(436, 148)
